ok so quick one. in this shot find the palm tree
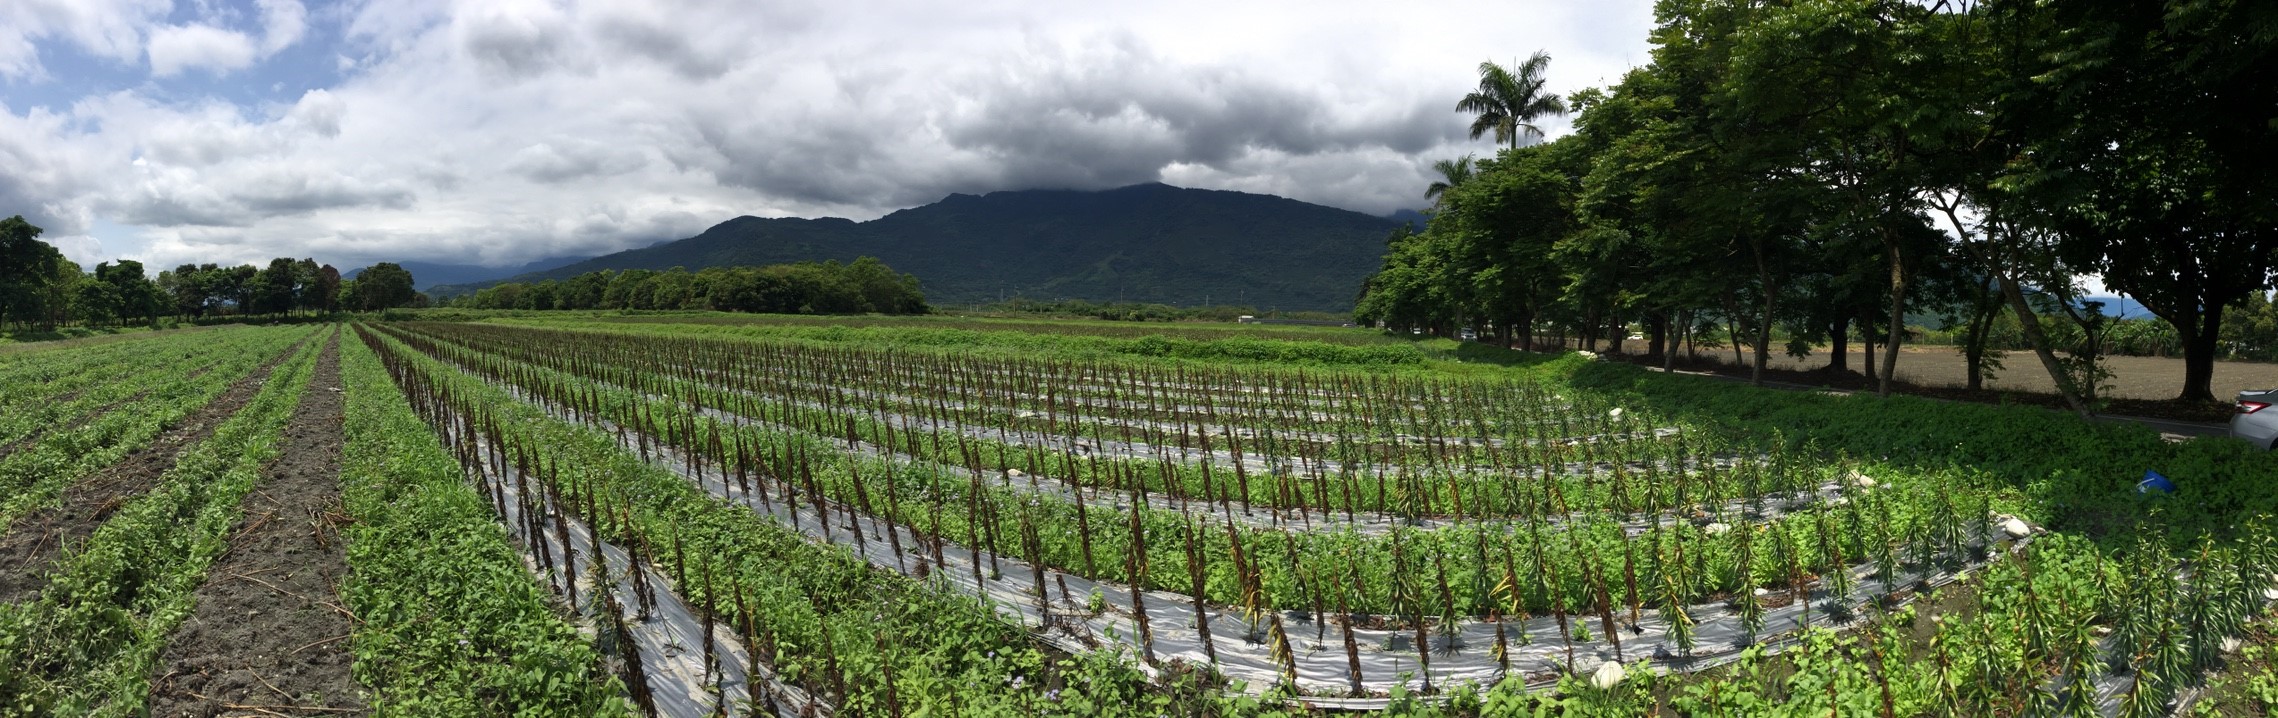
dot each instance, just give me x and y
(1508, 102)
(1453, 173)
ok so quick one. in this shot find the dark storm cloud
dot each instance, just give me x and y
(666, 46)
(1107, 116)
(505, 130)
(301, 195)
(517, 46)
(179, 210)
(570, 159)
(1126, 114)
(180, 200)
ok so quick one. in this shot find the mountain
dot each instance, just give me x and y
(1415, 219)
(1143, 243)
(2122, 307)
(426, 275)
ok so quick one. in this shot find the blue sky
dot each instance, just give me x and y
(501, 131)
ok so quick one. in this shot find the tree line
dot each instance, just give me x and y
(1825, 169)
(40, 288)
(865, 285)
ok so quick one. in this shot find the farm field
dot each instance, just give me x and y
(2151, 378)
(589, 516)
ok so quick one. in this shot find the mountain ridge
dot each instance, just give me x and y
(1147, 242)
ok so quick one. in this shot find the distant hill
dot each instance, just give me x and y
(1143, 243)
(2122, 307)
(1415, 219)
(426, 275)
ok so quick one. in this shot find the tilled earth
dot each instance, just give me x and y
(269, 636)
(31, 546)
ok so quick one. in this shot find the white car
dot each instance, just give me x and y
(2252, 423)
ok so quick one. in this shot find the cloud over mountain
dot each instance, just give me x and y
(506, 130)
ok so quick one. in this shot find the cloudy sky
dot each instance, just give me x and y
(501, 131)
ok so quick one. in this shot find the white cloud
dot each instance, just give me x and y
(175, 48)
(282, 23)
(505, 130)
(110, 29)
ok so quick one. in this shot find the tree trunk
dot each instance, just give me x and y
(1897, 311)
(1764, 327)
(1732, 329)
(1866, 349)
(1987, 307)
(1839, 345)
(2199, 354)
(1656, 343)
(1675, 329)
(2030, 324)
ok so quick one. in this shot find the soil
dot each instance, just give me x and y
(269, 635)
(35, 541)
(2140, 386)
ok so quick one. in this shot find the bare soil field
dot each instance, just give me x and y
(2140, 386)
(2151, 378)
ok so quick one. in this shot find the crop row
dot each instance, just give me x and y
(451, 622)
(1866, 577)
(1584, 480)
(1079, 475)
(1429, 552)
(864, 640)
(34, 474)
(86, 644)
(1577, 558)
(33, 375)
(105, 388)
(1075, 397)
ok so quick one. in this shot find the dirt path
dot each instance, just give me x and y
(33, 543)
(269, 631)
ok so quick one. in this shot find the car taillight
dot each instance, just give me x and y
(2249, 407)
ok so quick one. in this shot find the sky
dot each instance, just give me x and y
(497, 132)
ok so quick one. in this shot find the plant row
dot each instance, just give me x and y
(1262, 476)
(32, 476)
(1589, 565)
(85, 646)
(1423, 412)
(868, 641)
(452, 624)
(2206, 600)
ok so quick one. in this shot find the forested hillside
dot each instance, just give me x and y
(1143, 243)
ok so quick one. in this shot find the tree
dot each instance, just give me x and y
(27, 267)
(386, 285)
(1453, 173)
(325, 293)
(1507, 103)
(275, 288)
(2151, 143)
(1854, 93)
(132, 295)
